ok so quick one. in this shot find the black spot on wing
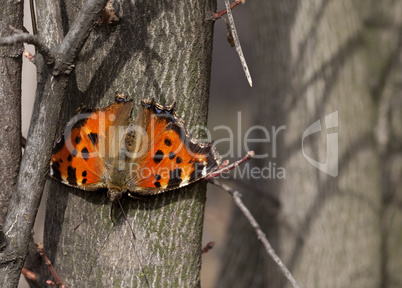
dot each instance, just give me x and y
(158, 177)
(158, 156)
(75, 152)
(69, 158)
(157, 185)
(84, 181)
(171, 155)
(93, 137)
(77, 123)
(77, 140)
(84, 173)
(85, 153)
(174, 178)
(72, 177)
(168, 142)
(178, 160)
(56, 164)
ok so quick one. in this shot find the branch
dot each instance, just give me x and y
(219, 14)
(225, 167)
(76, 37)
(237, 43)
(29, 274)
(270, 251)
(35, 162)
(22, 37)
(59, 282)
(207, 247)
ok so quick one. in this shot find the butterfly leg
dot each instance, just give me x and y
(134, 196)
(111, 213)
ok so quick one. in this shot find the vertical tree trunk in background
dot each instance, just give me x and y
(314, 58)
(159, 49)
(10, 104)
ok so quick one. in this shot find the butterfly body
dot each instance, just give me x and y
(103, 149)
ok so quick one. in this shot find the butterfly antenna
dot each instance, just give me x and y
(135, 238)
(92, 211)
(125, 217)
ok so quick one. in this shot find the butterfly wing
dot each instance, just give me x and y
(81, 156)
(165, 156)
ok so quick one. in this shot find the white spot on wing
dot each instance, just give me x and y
(204, 171)
(183, 183)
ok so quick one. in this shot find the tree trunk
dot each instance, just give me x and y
(314, 58)
(10, 104)
(35, 161)
(161, 50)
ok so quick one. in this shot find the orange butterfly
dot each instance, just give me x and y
(101, 149)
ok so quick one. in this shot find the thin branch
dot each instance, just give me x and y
(76, 37)
(271, 252)
(29, 56)
(35, 161)
(29, 274)
(219, 14)
(225, 168)
(207, 247)
(237, 43)
(21, 37)
(49, 265)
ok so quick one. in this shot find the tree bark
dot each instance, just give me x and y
(161, 50)
(10, 104)
(34, 166)
(314, 58)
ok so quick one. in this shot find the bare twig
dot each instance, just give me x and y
(226, 168)
(29, 274)
(59, 282)
(208, 247)
(29, 56)
(219, 14)
(271, 252)
(22, 37)
(237, 43)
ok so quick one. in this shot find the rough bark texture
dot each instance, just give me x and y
(10, 104)
(314, 58)
(159, 49)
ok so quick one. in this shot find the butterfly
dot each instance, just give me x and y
(101, 149)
